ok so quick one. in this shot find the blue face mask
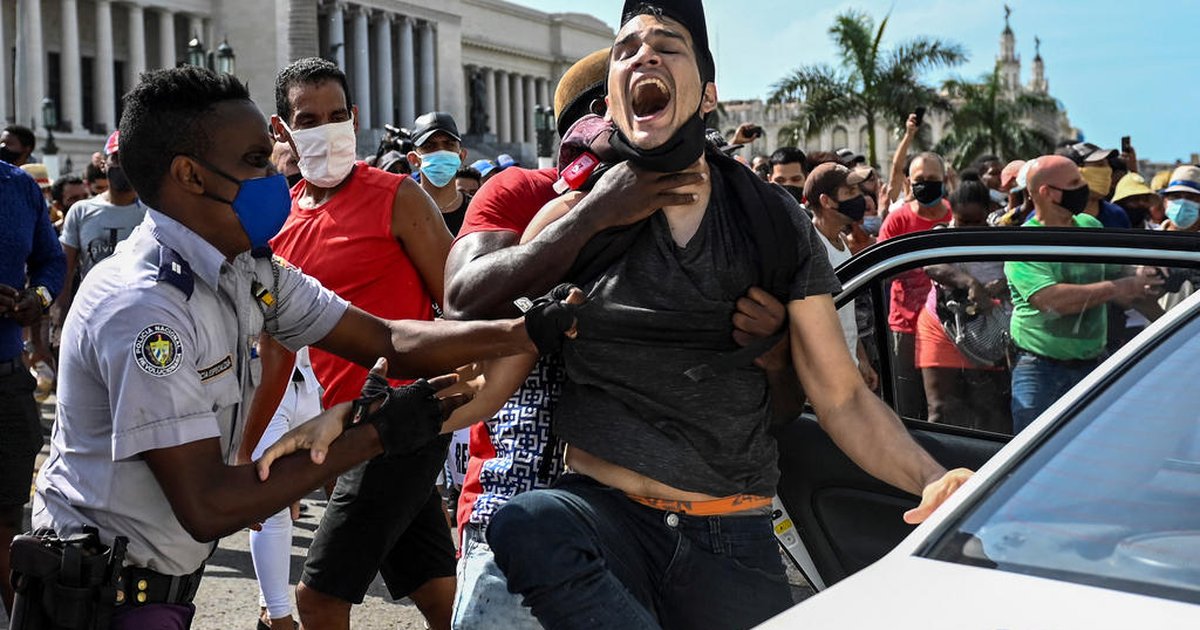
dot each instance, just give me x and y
(440, 167)
(872, 224)
(1183, 212)
(262, 204)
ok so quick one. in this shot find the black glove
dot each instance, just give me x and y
(410, 417)
(548, 318)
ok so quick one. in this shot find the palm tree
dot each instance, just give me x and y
(986, 120)
(877, 85)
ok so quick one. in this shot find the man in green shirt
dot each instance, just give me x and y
(1059, 322)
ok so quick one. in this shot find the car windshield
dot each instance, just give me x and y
(1112, 498)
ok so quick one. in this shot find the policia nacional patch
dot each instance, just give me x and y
(157, 350)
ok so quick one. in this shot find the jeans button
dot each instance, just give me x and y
(672, 520)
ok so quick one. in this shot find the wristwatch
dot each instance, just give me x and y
(44, 295)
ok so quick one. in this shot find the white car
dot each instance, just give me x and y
(1090, 518)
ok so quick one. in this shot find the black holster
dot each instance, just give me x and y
(65, 584)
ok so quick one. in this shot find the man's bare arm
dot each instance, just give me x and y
(488, 270)
(1070, 299)
(858, 421)
(419, 227)
(420, 348)
(211, 499)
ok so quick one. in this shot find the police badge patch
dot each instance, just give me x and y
(157, 350)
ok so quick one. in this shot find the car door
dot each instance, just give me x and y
(834, 518)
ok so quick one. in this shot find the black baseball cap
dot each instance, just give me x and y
(850, 158)
(431, 123)
(1083, 152)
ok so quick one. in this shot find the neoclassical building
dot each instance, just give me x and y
(497, 59)
(852, 133)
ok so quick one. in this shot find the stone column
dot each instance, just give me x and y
(137, 43)
(70, 111)
(337, 34)
(106, 94)
(543, 93)
(383, 68)
(531, 103)
(362, 67)
(166, 39)
(518, 108)
(31, 64)
(489, 83)
(407, 73)
(428, 68)
(504, 101)
(196, 30)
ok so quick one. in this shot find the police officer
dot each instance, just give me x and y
(158, 365)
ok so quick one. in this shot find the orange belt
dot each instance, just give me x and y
(716, 507)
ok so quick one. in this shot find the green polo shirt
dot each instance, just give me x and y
(1073, 336)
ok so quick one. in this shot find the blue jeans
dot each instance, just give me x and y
(483, 600)
(1037, 382)
(584, 555)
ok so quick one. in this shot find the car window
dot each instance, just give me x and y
(1112, 498)
(988, 345)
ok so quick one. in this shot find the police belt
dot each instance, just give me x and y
(139, 587)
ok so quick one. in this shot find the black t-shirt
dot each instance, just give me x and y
(628, 400)
(454, 218)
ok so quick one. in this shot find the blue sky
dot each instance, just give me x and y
(1120, 67)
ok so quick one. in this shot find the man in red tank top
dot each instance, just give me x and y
(377, 240)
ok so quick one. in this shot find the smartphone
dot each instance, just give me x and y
(1126, 145)
(755, 132)
(920, 112)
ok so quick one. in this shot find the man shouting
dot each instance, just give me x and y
(667, 519)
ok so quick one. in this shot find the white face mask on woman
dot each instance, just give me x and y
(325, 154)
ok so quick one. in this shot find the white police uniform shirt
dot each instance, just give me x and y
(158, 352)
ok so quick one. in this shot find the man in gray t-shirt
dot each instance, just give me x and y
(93, 227)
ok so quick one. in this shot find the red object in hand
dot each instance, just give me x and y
(576, 173)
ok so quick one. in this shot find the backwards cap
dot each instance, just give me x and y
(689, 13)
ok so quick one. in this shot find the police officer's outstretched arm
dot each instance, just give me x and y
(212, 499)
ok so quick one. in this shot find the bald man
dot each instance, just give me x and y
(1059, 321)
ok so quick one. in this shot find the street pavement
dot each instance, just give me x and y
(228, 596)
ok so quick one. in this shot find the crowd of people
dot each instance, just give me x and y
(235, 310)
(985, 344)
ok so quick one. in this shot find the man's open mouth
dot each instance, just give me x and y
(649, 97)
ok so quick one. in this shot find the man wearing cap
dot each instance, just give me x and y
(1182, 196)
(31, 274)
(642, 534)
(438, 153)
(1135, 197)
(1095, 165)
(837, 203)
(1060, 310)
(93, 227)
(377, 240)
(41, 175)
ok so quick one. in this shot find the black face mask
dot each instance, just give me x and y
(927, 193)
(8, 155)
(117, 181)
(1075, 199)
(1137, 215)
(854, 209)
(796, 192)
(294, 179)
(679, 152)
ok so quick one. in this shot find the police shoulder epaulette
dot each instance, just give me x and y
(175, 271)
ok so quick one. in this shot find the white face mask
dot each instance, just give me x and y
(325, 153)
